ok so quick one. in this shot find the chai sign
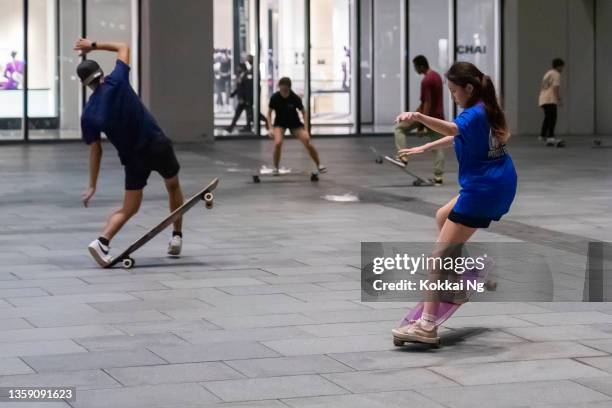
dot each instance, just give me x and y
(471, 49)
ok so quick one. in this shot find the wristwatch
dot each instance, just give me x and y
(94, 45)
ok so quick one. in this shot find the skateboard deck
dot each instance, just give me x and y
(205, 195)
(447, 309)
(419, 181)
(265, 171)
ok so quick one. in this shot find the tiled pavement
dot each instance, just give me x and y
(263, 309)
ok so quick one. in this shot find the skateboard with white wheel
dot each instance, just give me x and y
(206, 195)
(265, 171)
(418, 180)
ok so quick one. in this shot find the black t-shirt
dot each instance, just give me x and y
(286, 110)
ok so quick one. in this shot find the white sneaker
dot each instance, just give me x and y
(175, 245)
(322, 169)
(100, 252)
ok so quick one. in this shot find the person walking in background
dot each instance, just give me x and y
(550, 98)
(225, 79)
(244, 93)
(432, 104)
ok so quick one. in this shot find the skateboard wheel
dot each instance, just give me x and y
(128, 263)
(397, 342)
(379, 160)
(314, 177)
(256, 179)
(491, 286)
(208, 199)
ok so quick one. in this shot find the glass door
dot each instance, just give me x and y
(331, 95)
(282, 42)
(12, 69)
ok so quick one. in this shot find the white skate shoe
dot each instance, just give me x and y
(175, 245)
(100, 252)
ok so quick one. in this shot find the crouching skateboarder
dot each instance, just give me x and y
(115, 109)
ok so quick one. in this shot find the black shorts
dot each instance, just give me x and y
(291, 126)
(159, 157)
(472, 222)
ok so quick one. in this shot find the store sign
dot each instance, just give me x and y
(471, 49)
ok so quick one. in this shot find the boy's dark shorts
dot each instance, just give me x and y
(159, 157)
(468, 221)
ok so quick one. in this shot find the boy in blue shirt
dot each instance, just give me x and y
(115, 109)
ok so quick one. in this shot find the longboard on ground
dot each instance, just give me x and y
(556, 143)
(205, 195)
(265, 171)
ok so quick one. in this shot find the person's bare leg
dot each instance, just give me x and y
(278, 145)
(175, 198)
(451, 233)
(304, 137)
(131, 203)
(443, 212)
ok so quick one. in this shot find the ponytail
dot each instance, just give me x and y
(464, 73)
(495, 114)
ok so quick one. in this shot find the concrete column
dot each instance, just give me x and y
(177, 71)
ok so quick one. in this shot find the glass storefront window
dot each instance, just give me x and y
(282, 40)
(42, 69)
(12, 66)
(478, 35)
(330, 63)
(54, 94)
(233, 67)
(389, 60)
(429, 35)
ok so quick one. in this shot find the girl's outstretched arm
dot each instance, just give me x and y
(443, 127)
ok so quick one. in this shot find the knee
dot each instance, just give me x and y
(278, 143)
(441, 216)
(173, 186)
(130, 210)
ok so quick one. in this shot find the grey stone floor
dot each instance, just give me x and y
(263, 309)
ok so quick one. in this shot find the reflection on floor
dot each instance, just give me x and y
(41, 134)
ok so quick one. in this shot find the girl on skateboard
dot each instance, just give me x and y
(286, 104)
(115, 109)
(487, 177)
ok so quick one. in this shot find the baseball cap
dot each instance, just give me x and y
(89, 70)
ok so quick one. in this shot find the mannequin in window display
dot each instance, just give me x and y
(13, 73)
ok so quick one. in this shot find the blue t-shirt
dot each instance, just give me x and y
(115, 109)
(486, 172)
